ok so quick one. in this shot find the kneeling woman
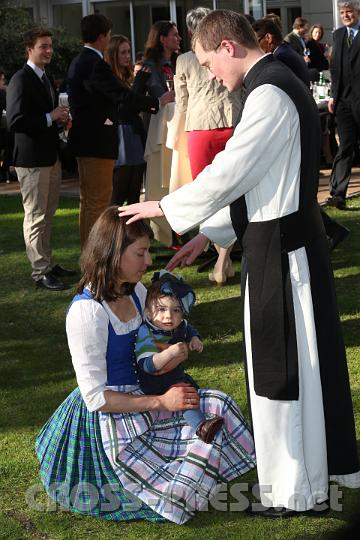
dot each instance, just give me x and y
(110, 451)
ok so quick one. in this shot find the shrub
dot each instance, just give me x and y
(14, 21)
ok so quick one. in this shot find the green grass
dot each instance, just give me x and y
(36, 375)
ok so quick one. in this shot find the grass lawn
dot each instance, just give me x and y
(36, 375)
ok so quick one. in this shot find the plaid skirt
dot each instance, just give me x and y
(75, 470)
(147, 466)
(159, 459)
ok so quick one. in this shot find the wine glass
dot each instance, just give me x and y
(170, 84)
(63, 99)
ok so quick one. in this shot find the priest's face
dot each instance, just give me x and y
(221, 64)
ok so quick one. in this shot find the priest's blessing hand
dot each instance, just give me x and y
(145, 210)
(187, 254)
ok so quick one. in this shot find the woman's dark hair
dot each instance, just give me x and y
(321, 28)
(124, 73)
(92, 26)
(101, 259)
(153, 46)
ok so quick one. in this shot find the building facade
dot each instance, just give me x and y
(322, 12)
(133, 18)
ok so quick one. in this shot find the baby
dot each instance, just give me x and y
(161, 340)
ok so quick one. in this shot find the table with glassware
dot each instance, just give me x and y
(321, 94)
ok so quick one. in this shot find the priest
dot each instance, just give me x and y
(262, 189)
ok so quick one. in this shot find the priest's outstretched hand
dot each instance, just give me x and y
(188, 253)
(145, 210)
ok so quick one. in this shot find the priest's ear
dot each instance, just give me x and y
(229, 46)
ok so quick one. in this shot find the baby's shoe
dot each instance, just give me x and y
(209, 428)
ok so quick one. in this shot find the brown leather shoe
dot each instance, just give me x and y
(209, 428)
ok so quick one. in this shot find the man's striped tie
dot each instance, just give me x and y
(350, 37)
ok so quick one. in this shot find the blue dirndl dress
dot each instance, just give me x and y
(142, 465)
(74, 467)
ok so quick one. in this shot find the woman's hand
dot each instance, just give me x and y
(178, 397)
(166, 98)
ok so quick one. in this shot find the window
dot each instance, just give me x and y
(68, 16)
(256, 8)
(119, 15)
(145, 14)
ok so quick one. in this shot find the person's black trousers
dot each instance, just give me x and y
(348, 126)
(127, 181)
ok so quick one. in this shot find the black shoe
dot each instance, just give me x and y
(320, 509)
(59, 271)
(50, 282)
(271, 512)
(258, 510)
(340, 235)
(12, 176)
(338, 202)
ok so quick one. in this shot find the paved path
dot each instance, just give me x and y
(70, 186)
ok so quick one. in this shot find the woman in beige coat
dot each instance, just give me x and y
(211, 114)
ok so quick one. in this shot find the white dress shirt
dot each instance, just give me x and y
(40, 72)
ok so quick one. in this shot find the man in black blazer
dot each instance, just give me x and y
(345, 102)
(270, 40)
(296, 38)
(94, 96)
(33, 116)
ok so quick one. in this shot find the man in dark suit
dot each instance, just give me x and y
(3, 131)
(94, 96)
(296, 38)
(345, 102)
(270, 40)
(32, 115)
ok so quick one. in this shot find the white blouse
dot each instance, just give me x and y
(87, 332)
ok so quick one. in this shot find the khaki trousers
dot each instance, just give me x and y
(40, 190)
(95, 175)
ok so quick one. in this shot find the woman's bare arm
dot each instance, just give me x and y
(176, 398)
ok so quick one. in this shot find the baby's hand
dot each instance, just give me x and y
(196, 345)
(178, 351)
